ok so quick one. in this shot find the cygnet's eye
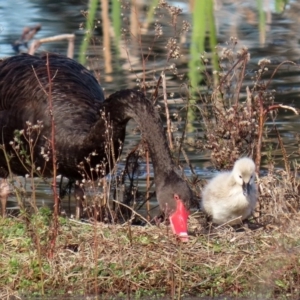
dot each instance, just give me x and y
(240, 176)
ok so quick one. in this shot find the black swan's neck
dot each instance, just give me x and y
(127, 104)
(173, 193)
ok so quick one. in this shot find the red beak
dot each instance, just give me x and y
(178, 220)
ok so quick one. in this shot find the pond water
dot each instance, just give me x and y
(276, 37)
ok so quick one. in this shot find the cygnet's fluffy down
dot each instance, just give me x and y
(231, 196)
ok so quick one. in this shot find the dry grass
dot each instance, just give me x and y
(133, 261)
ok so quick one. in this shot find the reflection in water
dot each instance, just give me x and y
(55, 18)
(266, 33)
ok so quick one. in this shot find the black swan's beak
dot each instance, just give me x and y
(178, 220)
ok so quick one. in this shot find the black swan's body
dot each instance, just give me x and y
(81, 115)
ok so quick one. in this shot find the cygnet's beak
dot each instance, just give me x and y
(246, 188)
(178, 220)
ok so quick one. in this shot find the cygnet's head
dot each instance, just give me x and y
(244, 173)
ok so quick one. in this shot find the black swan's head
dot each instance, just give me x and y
(174, 197)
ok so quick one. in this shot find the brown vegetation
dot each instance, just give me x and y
(115, 259)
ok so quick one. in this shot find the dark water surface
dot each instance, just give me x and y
(278, 41)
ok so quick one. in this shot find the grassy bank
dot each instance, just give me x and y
(133, 261)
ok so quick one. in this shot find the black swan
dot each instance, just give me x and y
(80, 112)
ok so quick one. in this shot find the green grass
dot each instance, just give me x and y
(225, 262)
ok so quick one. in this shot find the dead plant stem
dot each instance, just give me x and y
(261, 121)
(232, 68)
(240, 82)
(180, 268)
(167, 109)
(54, 229)
(148, 185)
(284, 154)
